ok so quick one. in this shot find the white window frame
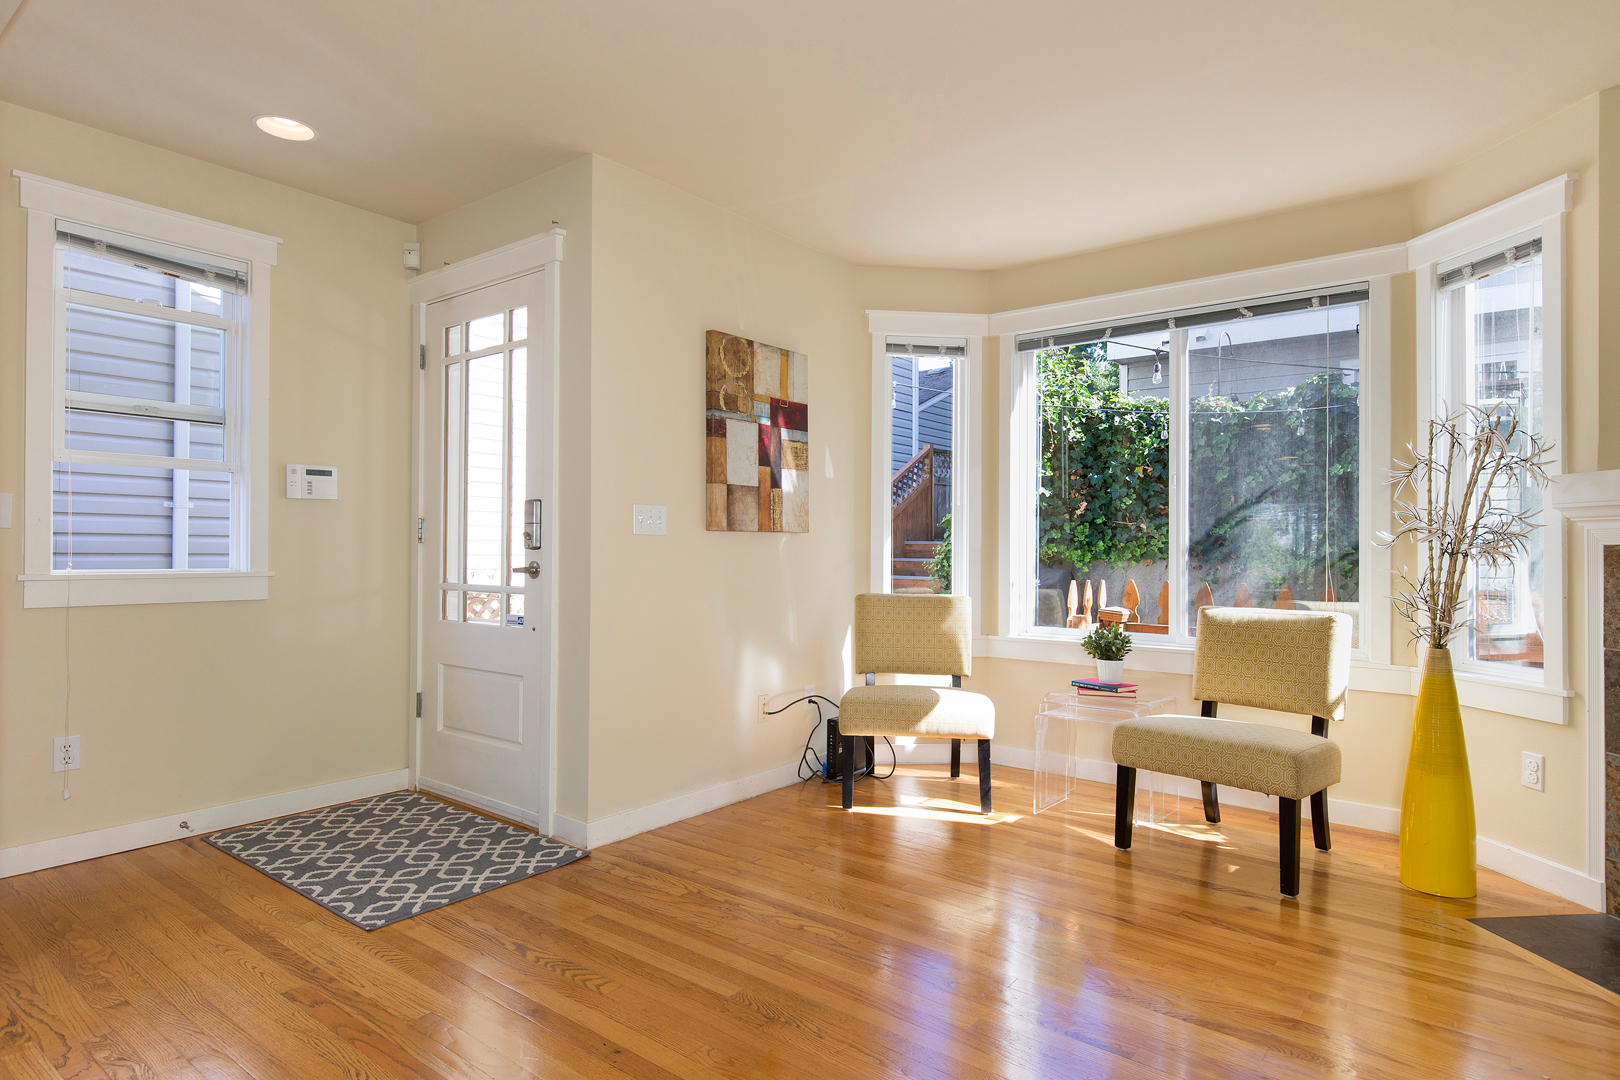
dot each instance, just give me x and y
(48, 202)
(1540, 211)
(930, 328)
(1017, 638)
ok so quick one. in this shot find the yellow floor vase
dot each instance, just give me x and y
(1437, 803)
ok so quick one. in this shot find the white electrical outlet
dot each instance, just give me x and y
(764, 704)
(1534, 771)
(647, 519)
(809, 706)
(65, 753)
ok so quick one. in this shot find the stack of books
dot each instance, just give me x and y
(1090, 689)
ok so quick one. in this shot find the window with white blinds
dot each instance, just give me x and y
(142, 473)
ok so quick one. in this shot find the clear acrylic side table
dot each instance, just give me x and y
(1057, 728)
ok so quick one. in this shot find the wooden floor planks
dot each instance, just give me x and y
(784, 937)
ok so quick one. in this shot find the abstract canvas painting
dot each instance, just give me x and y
(758, 437)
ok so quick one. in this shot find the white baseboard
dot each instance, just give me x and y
(1547, 876)
(26, 858)
(481, 802)
(593, 834)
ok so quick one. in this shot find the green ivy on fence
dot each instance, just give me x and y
(1260, 468)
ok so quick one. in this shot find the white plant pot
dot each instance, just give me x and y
(1111, 671)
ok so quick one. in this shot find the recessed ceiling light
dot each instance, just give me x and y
(283, 128)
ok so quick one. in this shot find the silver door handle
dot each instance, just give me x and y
(533, 569)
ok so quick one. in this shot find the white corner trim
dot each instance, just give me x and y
(1541, 873)
(1497, 221)
(156, 587)
(27, 858)
(481, 802)
(1244, 285)
(928, 323)
(489, 267)
(143, 219)
(627, 823)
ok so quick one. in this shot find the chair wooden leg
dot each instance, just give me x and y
(1212, 804)
(1124, 806)
(1288, 834)
(984, 776)
(1319, 821)
(956, 758)
(849, 771)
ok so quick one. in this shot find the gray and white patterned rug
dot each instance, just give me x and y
(383, 859)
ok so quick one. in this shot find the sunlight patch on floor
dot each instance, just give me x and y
(938, 810)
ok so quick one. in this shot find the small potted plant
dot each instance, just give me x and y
(1108, 645)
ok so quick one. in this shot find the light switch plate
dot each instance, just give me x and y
(647, 519)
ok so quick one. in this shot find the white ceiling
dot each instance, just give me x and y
(944, 133)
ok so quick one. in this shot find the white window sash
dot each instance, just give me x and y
(51, 204)
(1539, 211)
(1022, 511)
(924, 328)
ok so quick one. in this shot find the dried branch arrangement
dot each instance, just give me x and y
(1455, 493)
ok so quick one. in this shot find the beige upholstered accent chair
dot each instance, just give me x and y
(915, 635)
(1292, 662)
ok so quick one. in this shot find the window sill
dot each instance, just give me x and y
(1474, 691)
(106, 588)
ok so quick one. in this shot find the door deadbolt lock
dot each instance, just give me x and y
(531, 524)
(533, 569)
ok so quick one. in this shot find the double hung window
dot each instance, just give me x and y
(923, 447)
(141, 477)
(1205, 456)
(1489, 341)
(146, 406)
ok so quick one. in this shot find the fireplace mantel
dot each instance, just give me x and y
(1592, 501)
(1590, 498)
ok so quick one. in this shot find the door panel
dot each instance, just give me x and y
(485, 728)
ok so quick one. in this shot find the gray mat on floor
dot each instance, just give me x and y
(380, 860)
(1588, 945)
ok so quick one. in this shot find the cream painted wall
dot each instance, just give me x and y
(1286, 236)
(688, 629)
(559, 199)
(886, 288)
(187, 706)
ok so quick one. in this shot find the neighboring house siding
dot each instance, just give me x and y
(118, 517)
(934, 425)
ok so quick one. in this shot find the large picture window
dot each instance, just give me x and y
(1195, 458)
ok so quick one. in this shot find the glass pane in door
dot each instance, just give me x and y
(517, 459)
(486, 446)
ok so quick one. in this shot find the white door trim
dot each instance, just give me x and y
(542, 253)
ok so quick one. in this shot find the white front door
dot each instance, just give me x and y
(485, 732)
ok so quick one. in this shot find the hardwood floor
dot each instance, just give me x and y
(783, 937)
